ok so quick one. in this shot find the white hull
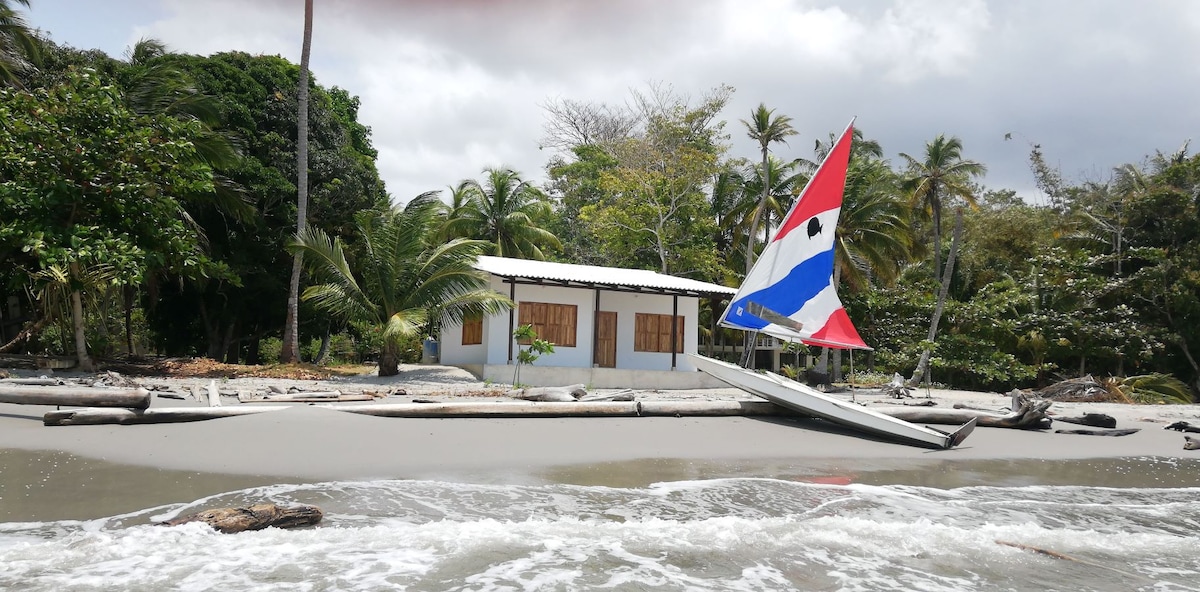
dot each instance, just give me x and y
(798, 397)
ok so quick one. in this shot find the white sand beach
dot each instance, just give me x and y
(309, 442)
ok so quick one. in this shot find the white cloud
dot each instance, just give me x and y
(451, 87)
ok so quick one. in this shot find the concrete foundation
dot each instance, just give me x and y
(596, 378)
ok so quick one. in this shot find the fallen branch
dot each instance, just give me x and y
(256, 517)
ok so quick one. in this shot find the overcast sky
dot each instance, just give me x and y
(450, 87)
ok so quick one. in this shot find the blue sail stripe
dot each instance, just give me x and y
(787, 295)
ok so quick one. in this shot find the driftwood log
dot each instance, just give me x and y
(81, 396)
(1100, 432)
(256, 517)
(1096, 420)
(1030, 416)
(69, 417)
(1183, 426)
(550, 393)
(577, 409)
(42, 381)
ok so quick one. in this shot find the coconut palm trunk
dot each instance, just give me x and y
(291, 329)
(922, 372)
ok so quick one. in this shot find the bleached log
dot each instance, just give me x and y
(75, 396)
(256, 517)
(622, 395)
(495, 409)
(550, 393)
(711, 408)
(69, 417)
(43, 381)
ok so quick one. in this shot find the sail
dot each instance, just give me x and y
(789, 293)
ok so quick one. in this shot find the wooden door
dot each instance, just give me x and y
(605, 355)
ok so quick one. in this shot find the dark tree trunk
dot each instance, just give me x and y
(324, 350)
(922, 371)
(389, 360)
(127, 293)
(291, 329)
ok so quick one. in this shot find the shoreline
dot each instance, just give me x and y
(311, 444)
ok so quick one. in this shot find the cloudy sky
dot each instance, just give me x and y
(452, 86)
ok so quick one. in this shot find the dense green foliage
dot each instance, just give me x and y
(405, 279)
(164, 186)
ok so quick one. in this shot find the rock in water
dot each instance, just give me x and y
(256, 517)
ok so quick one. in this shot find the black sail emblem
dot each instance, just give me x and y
(814, 227)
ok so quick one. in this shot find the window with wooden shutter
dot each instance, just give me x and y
(652, 333)
(472, 331)
(555, 323)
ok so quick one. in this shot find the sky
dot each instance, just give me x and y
(451, 87)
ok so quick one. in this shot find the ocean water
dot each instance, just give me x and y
(739, 533)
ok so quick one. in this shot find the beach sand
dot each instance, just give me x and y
(66, 472)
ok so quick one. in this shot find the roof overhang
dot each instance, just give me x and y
(613, 279)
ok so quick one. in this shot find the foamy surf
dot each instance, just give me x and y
(724, 534)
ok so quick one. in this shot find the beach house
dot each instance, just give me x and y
(611, 327)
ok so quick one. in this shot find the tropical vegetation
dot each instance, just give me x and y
(156, 203)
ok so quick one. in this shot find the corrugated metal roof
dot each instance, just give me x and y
(599, 277)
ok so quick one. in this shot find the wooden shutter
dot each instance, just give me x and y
(652, 333)
(472, 331)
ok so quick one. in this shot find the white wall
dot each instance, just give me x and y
(496, 336)
(626, 305)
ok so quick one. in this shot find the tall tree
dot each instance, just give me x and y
(759, 207)
(404, 275)
(291, 330)
(940, 176)
(766, 128)
(653, 211)
(18, 46)
(507, 212)
(92, 189)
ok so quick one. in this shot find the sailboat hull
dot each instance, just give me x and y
(798, 397)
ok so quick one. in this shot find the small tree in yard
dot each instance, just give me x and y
(533, 348)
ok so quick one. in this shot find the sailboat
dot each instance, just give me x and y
(789, 293)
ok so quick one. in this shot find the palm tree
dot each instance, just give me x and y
(942, 176)
(18, 45)
(760, 210)
(873, 236)
(406, 277)
(765, 128)
(505, 212)
(291, 329)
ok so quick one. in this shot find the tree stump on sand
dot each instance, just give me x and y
(256, 517)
